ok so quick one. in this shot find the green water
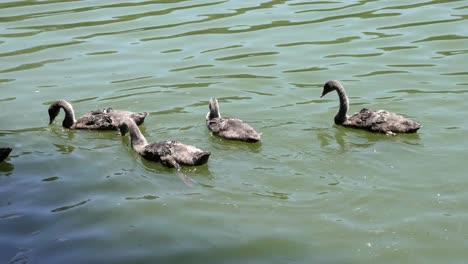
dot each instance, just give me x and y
(311, 192)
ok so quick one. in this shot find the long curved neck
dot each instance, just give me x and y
(214, 110)
(69, 119)
(137, 139)
(341, 116)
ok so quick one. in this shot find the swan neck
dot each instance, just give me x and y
(341, 116)
(137, 139)
(214, 110)
(69, 119)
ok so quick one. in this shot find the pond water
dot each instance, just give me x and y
(310, 192)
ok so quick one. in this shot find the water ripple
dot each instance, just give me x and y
(30, 66)
(266, 61)
(424, 23)
(38, 48)
(324, 42)
(249, 55)
(441, 38)
(64, 208)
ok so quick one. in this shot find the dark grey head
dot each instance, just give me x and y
(331, 85)
(139, 118)
(54, 110)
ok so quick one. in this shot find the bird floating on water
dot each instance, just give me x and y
(229, 128)
(101, 119)
(372, 120)
(168, 153)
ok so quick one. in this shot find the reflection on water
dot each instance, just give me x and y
(64, 149)
(6, 168)
(349, 139)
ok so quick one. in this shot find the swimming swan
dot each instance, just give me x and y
(102, 119)
(373, 120)
(168, 153)
(230, 128)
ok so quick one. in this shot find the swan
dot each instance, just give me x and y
(102, 119)
(4, 152)
(168, 153)
(372, 120)
(229, 128)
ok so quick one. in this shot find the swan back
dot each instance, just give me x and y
(382, 121)
(173, 150)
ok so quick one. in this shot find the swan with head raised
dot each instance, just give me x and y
(229, 128)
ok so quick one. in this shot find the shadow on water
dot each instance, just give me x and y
(349, 139)
(220, 143)
(192, 173)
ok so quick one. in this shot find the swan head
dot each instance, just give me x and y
(214, 109)
(331, 85)
(54, 110)
(139, 118)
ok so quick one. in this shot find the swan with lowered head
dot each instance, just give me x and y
(229, 128)
(102, 119)
(168, 153)
(372, 120)
(4, 152)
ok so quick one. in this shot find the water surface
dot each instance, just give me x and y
(311, 192)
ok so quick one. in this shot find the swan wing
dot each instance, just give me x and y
(233, 128)
(382, 121)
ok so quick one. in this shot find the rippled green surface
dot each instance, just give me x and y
(312, 192)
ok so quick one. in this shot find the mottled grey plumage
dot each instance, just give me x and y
(168, 153)
(101, 119)
(4, 152)
(229, 128)
(373, 120)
